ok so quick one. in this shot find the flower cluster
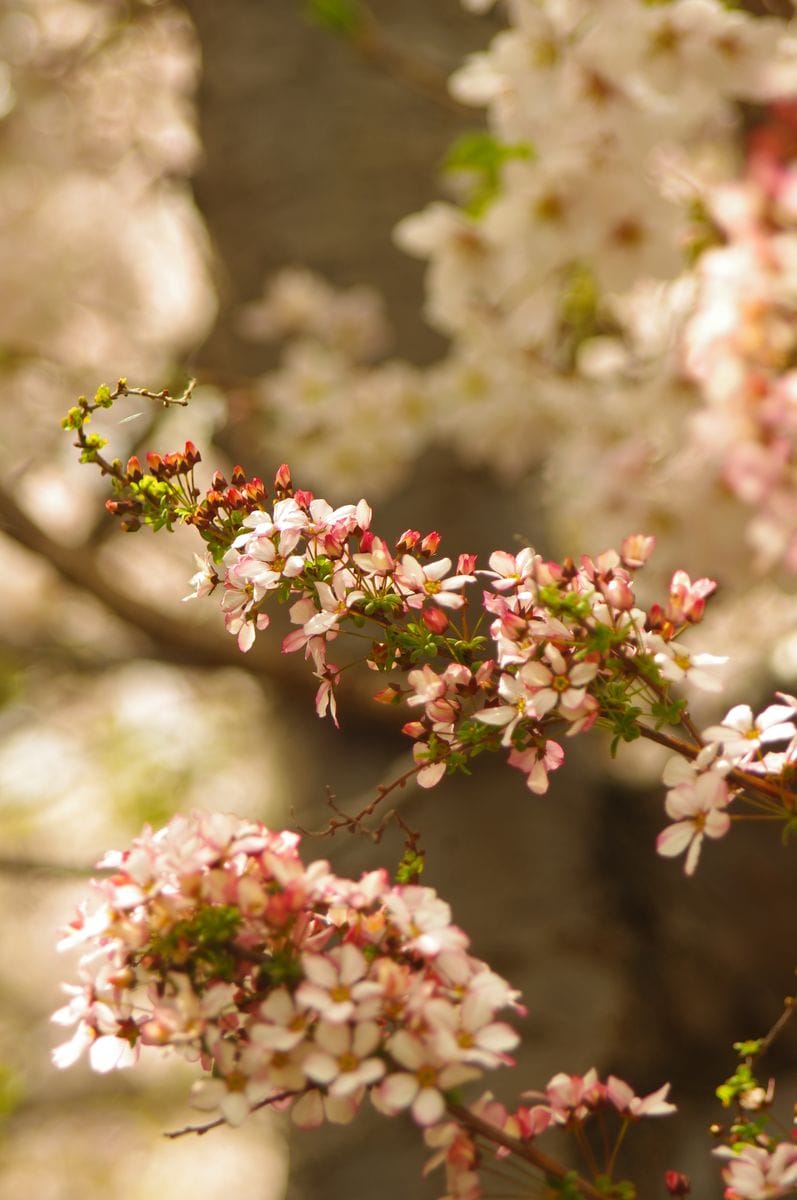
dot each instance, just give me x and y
(741, 339)
(700, 792)
(295, 988)
(566, 639)
(289, 984)
(567, 1102)
(566, 644)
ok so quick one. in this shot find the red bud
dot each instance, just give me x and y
(677, 1184)
(134, 469)
(434, 619)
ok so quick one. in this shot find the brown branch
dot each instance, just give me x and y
(23, 866)
(522, 1150)
(789, 1008)
(420, 75)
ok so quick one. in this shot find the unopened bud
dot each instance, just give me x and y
(191, 454)
(408, 540)
(434, 619)
(218, 483)
(174, 464)
(618, 594)
(430, 543)
(238, 477)
(677, 1184)
(134, 470)
(282, 480)
(255, 490)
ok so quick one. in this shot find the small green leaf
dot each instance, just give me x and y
(411, 867)
(481, 155)
(342, 17)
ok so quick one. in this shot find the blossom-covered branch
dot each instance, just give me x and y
(548, 649)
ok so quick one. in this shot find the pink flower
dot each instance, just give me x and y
(535, 762)
(422, 1085)
(621, 1095)
(561, 684)
(676, 663)
(511, 571)
(469, 1032)
(424, 920)
(758, 1174)
(697, 808)
(339, 1058)
(335, 985)
(419, 583)
(741, 735)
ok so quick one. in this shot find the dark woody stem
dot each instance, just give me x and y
(521, 1149)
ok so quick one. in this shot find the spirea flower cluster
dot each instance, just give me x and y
(284, 982)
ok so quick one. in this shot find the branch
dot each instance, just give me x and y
(407, 68)
(176, 641)
(537, 1158)
(200, 1129)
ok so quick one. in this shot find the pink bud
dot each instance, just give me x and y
(408, 540)
(434, 619)
(676, 1183)
(618, 594)
(282, 480)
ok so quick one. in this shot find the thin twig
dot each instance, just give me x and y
(200, 1129)
(407, 67)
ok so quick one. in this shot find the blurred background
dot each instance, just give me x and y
(159, 163)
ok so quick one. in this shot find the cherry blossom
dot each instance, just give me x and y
(697, 810)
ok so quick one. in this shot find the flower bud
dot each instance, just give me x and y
(134, 470)
(618, 594)
(255, 491)
(676, 1183)
(430, 543)
(434, 619)
(408, 540)
(282, 480)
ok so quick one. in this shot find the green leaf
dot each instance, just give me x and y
(749, 1048)
(481, 155)
(76, 418)
(411, 867)
(345, 18)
